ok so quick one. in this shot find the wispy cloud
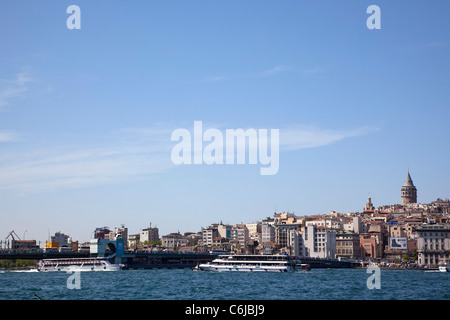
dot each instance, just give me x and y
(8, 136)
(275, 70)
(129, 155)
(303, 137)
(271, 72)
(14, 88)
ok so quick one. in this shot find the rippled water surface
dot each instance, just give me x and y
(185, 284)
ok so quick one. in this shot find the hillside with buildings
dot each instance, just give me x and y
(410, 231)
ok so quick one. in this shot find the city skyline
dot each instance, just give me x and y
(408, 182)
(86, 116)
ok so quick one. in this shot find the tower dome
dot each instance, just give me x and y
(409, 191)
(369, 208)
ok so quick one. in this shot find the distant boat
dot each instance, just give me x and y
(77, 264)
(444, 267)
(304, 266)
(252, 263)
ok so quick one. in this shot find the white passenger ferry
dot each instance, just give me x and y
(264, 263)
(77, 264)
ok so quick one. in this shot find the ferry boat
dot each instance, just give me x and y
(258, 263)
(77, 264)
(444, 267)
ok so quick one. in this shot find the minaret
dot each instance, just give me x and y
(409, 191)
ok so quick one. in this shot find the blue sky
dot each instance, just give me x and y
(86, 115)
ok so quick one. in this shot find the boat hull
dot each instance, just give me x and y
(69, 265)
(251, 263)
(242, 269)
(78, 268)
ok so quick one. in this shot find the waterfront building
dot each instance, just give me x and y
(398, 247)
(371, 244)
(22, 245)
(433, 243)
(409, 191)
(347, 245)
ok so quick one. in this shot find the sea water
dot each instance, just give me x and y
(186, 284)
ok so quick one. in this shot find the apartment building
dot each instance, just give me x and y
(433, 244)
(240, 234)
(149, 235)
(371, 244)
(347, 245)
(401, 231)
(267, 233)
(208, 235)
(313, 241)
(173, 240)
(282, 233)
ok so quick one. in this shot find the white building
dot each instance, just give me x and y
(314, 242)
(355, 225)
(208, 235)
(224, 230)
(433, 244)
(149, 234)
(173, 241)
(254, 227)
(267, 233)
(332, 223)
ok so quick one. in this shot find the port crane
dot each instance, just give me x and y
(11, 234)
